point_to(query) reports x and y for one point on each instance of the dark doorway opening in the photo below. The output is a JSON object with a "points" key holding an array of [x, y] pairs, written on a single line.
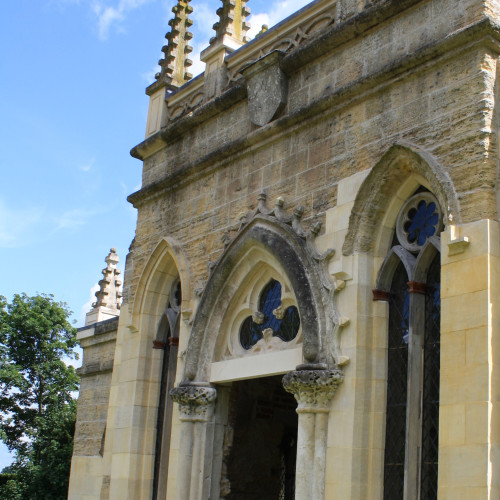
{"points": [[260, 442]]}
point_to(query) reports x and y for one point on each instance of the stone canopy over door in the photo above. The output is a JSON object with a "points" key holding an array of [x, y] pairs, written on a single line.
{"points": [[291, 307]]}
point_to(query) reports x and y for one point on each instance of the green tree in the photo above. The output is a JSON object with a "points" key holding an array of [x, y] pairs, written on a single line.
{"points": [[37, 408]]}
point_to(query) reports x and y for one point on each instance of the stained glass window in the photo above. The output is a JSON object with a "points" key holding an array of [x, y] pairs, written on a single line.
{"points": [[422, 222], [419, 219], [284, 323], [395, 436], [430, 403], [409, 405]]}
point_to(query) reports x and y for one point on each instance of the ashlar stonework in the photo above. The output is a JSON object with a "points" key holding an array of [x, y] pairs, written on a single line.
{"points": [[336, 179]]}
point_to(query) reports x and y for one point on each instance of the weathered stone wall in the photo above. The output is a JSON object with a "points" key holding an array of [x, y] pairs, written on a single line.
{"points": [[98, 342], [344, 111], [94, 395], [95, 384], [422, 74]]}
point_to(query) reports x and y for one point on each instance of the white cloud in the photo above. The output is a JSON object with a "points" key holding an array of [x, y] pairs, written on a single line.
{"points": [[88, 305], [71, 219], [204, 16], [277, 12], [16, 224], [113, 15], [149, 77], [87, 166], [21, 225]]}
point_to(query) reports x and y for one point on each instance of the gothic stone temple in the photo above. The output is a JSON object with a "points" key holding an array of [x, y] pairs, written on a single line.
{"points": [[311, 298]]}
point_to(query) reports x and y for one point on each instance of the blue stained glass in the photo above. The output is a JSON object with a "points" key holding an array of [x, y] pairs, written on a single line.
{"points": [[423, 222], [270, 299], [250, 333], [289, 325], [285, 328]]}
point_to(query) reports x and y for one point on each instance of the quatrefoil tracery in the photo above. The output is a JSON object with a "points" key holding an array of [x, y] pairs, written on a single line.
{"points": [[271, 320]]}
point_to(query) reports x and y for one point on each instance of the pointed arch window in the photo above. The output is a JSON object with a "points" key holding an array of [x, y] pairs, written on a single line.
{"points": [[167, 338], [410, 281]]}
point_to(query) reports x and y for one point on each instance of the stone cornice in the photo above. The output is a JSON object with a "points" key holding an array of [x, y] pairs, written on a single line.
{"points": [[335, 36], [95, 368], [175, 131], [485, 28]]}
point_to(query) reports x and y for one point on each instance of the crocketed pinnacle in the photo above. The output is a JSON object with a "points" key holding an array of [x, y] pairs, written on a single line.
{"points": [[109, 294], [232, 21], [175, 64]]}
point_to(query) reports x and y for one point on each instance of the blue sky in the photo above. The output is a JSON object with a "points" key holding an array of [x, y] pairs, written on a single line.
{"points": [[73, 74]]}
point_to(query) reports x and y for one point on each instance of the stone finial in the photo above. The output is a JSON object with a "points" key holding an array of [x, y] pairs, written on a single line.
{"points": [[174, 67], [264, 28], [109, 294], [232, 21], [230, 35]]}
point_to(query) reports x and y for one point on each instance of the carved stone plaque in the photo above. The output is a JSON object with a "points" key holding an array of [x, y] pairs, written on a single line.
{"points": [[267, 88]]}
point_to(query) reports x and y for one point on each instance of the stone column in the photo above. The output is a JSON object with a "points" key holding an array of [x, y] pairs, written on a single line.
{"points": [[196, 406], [313, 389]]}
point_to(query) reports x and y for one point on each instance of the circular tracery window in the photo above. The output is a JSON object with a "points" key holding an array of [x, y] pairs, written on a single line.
{"points": [[271, 316], [419, 219], [175, 297]]}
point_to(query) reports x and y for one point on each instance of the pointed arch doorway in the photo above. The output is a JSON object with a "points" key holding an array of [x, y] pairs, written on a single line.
{"points": [[260, 441]]}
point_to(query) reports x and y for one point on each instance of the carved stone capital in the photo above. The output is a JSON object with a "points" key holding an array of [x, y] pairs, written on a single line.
{"points": [[313, 389], [196, 403]]}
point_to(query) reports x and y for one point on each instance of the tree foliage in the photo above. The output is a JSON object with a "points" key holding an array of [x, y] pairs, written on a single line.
{"points": [[37, 409]]}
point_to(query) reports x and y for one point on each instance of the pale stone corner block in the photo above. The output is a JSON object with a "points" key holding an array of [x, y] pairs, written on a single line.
{"points": [[482, 236], [341, 268], [156, 111], [476, 423], [453, 348], [452, 425], [337, 218], [476, 346], [347, 189], [458, 245], [463, 466], [465, 276], [463, 312], [451, 492], [471, 385]]}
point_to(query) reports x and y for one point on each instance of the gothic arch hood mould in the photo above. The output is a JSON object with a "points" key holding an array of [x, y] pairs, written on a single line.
{"points": [[306, 269]]}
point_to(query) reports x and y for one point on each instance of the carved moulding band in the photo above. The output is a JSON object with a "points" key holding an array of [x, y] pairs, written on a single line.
{"points": [[313, 389], [195, 403], [282, 235]]}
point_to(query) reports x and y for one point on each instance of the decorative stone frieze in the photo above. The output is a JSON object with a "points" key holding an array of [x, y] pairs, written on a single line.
{"points": [[284, 235], [196, 403], [313, 389]]}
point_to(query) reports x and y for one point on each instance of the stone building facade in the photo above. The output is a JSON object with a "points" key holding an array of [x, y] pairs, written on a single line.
{"points": [[311, 297]]}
